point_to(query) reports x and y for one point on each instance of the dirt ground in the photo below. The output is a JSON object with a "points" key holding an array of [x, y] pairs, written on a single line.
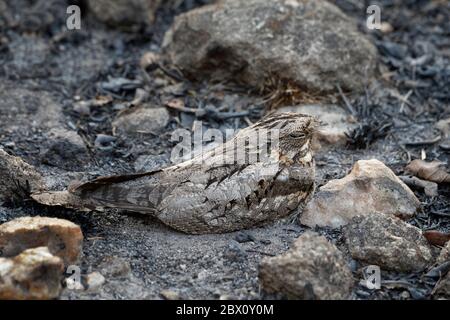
{"points": [[45, 70]]}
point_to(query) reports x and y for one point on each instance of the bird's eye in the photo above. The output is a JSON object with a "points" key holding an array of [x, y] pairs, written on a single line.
{"points": [[297, 135]]}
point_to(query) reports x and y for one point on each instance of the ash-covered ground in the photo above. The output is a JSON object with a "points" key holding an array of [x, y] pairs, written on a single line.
{"points": [[45, 71]]}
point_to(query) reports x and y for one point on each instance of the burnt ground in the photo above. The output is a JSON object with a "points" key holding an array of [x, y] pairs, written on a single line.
{"points": [[45, 70]]}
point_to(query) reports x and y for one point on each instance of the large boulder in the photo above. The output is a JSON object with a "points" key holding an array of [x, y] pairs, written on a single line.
{"points": [[309, 44], [387, 242], [312, 269], [371, 187]]}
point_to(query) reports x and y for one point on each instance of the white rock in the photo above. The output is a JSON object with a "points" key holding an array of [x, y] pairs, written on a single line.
{"points": [[387, 242]]}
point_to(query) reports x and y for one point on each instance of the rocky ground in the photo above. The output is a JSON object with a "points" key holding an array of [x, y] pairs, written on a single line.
{"points": [[105, 100]]}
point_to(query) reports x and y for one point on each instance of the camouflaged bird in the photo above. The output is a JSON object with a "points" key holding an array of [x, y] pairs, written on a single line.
{"points": [[215, 193]]}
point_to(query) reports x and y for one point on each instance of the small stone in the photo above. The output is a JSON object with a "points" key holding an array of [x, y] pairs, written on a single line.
{"points": [[115, 267], [387, 242], [17, 177], [63, 238], [386, 27], [35, 274], [83, 108], [309, 44], [65, 149], [405, 295], [337, 122], [312, 269], [104, 142], [141, 121], [370, 187], [444, 126], [95, 280], [243, 237], [234, 252], [149, 59], [118, 13], [170, 295]]}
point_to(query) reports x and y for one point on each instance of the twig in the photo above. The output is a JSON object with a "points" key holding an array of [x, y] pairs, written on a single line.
{"points": [[346, 101], [424, 142]]}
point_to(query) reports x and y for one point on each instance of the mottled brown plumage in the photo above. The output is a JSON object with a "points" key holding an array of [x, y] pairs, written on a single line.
{"points": [[215, 193]]}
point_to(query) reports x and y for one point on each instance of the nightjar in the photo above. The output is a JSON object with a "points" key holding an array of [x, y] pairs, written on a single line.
{"points": [[265, 172]]}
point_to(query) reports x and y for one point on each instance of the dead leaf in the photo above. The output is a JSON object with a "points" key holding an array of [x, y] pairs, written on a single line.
{"points": [[437, 238], [432, 171]]}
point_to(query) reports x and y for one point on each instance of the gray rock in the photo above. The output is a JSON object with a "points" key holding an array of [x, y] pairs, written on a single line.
{"points": [[370, 187], [34, 274], [312, 269], [65, 149], [387, 242], [124, 12], [141, 121], [298, 43]]}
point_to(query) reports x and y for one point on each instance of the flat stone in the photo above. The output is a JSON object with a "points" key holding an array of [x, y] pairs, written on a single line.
{"points": [[17, 177], [337, 122], [370, 187], [387, 242], [309, 44], [34, 274], [124, 12], [141, 121], [312, 269], [63, 238]]}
